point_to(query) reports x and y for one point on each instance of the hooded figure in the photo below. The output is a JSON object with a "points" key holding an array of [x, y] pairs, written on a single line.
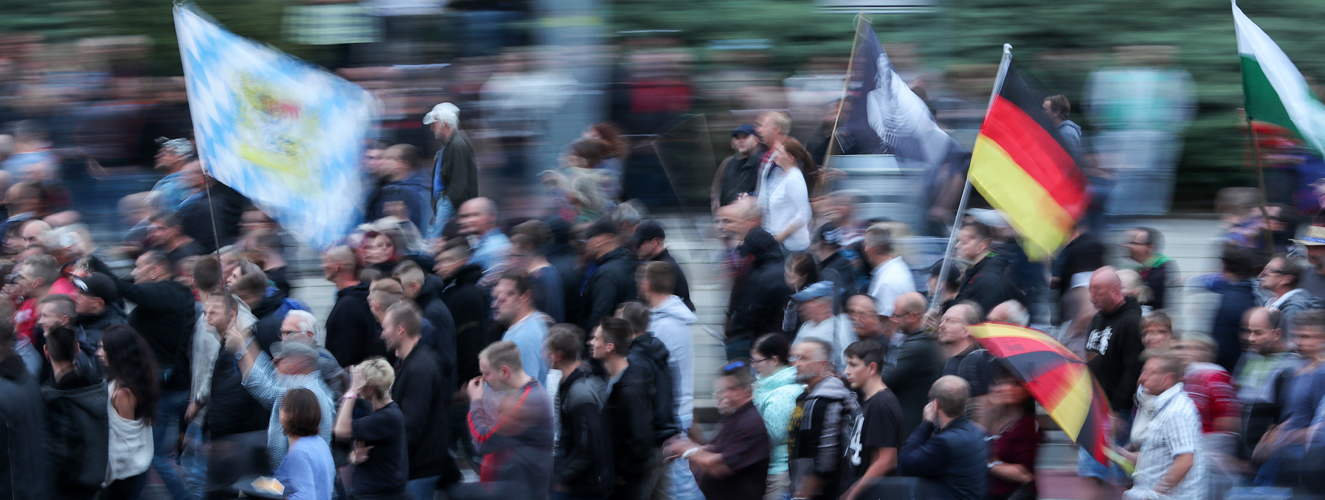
{"points": [[77, 433], [670, 323], [819, 433], [755, 307]]}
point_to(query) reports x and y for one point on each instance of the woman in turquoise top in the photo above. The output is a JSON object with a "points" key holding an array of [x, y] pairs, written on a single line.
{"points": [[775, 396]]}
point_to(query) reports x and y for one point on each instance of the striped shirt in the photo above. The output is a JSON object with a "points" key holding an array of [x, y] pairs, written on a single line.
{"points": [[1174, 430], [269, 388]]}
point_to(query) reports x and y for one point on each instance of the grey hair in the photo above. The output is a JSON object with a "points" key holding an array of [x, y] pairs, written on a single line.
{"points": [[1017, 313], [626, 213], [307, 322]]}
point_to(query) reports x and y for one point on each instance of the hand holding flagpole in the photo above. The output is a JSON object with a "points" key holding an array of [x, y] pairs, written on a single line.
{"points": [[966, 190]]}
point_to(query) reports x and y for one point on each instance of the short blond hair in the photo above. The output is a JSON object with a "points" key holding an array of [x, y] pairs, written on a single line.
{"points": [[778, 119], [379, 375], [504, 353]]}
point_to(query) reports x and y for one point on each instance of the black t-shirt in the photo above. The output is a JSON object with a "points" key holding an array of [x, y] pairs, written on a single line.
{"points": [[879, 426], [387, 467], [743, 443]]}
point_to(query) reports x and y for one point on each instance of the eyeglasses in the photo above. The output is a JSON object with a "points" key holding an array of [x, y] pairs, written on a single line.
{"points": [[793, 358], [755, 361], [291, 332]]}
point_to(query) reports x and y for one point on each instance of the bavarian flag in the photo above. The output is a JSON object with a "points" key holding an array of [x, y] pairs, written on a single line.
{"points": [[1021, 167]]}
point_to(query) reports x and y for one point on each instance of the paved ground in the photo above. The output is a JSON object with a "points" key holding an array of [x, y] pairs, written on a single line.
{"points": [[1190, 241]]}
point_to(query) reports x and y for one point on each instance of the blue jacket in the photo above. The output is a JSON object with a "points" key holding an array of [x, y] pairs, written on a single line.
{"points": [[1235, 299], [413, 191], [956, 457]]}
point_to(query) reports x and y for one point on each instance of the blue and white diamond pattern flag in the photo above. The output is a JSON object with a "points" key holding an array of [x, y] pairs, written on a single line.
{"points": [[286, 134]]}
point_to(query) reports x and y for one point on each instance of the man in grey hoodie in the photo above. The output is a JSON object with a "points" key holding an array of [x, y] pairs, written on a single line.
{"points": [[822, 413], [669, 321]]}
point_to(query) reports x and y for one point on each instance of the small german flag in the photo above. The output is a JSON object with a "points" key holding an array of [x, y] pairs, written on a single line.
{"points": [[1021, 167]]}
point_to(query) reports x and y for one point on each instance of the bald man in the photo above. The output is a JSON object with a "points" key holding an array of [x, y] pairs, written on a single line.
{"points": [[1113, 348], [919, 360], [478, 221], [737, 219], [1113, 352], [352, 331]]}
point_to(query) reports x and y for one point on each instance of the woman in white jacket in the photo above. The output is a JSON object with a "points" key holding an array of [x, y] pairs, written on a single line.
{"points": [[784, 197]]}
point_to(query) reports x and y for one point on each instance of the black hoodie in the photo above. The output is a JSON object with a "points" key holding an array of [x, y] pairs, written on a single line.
{"points": [[353, 334], [988, 283], [1114, 352], [612, 283], [469, 305], [165, 316], [630, 413], [94, 324], [647, 351], [77, 430], [757, 299]]}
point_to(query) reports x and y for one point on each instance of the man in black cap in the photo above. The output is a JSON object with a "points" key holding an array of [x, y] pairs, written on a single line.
{"points": [[97, 305], [737, 174], [613, 279], [650, 244]]}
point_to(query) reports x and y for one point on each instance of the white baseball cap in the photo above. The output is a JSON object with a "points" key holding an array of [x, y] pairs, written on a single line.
{"points": [[439, 111]]}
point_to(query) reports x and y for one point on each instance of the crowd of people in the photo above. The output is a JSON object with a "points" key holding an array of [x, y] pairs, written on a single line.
{"points": [[554, 357]]}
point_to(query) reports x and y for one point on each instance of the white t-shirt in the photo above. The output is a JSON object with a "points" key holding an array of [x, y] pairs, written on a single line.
{"points": [[888, 281]]}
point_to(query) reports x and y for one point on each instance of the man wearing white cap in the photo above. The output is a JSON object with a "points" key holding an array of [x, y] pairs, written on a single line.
{"points": [[455, 176]]}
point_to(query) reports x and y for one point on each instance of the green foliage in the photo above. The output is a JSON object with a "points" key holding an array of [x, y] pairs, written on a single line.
{"points": [[795, 28]]}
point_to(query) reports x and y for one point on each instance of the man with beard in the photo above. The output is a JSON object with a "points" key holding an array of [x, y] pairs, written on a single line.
{"points": [[737, 174]]}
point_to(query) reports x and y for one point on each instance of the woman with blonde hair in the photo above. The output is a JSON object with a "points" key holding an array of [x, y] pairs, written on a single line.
{"points": [[373, 422]]}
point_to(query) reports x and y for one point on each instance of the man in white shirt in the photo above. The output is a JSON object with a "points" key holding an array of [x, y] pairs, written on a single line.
{"points": [[816, 306], [891, 277], [1167, 466]]}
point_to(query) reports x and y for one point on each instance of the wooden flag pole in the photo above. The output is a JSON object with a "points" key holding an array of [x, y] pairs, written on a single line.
{"points": [[966, 191], [846, 83], [1266, 234]]}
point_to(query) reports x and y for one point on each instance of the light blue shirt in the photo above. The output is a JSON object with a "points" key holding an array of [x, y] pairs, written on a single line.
{"points": [[528, 334], [308, 472], [491, 250]]}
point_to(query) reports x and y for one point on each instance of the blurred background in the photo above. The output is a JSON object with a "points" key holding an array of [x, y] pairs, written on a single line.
{"points": [[1155, 84]]}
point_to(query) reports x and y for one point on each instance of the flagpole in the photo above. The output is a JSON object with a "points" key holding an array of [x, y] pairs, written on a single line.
{"points": [[846, 83], [1260, 187], [966, 191]]}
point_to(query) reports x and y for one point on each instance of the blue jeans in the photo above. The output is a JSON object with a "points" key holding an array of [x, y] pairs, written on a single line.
{"points": [[684, 486], [441, 213], [424, 488], [165, 432], [737, 348], [194, 459]]}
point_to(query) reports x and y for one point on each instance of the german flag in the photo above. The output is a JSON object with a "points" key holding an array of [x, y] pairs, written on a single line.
{"points": [[1021, 167]]}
